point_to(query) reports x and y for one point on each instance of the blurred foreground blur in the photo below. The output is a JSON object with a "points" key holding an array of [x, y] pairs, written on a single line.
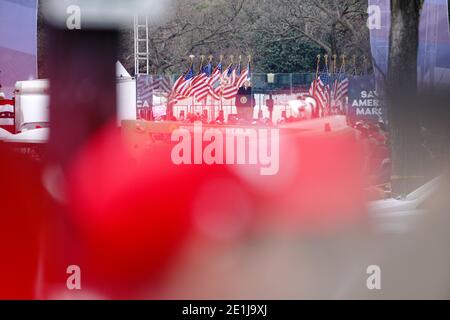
{"points": [[102, 211], [140, 227]]}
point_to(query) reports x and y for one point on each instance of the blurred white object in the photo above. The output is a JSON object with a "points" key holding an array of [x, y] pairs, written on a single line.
{"points": [[32, 101], [4, 134], [121, 72], [302, 108], [400, 215], [126, 95], [126, 100], [103, 14], [34, 136], [32, 105]]}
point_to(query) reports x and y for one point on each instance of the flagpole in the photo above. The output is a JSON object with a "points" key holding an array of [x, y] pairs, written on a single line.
{"points": [[237, 80], [335, 83], [365, 65], [171, 96], [334, 63], [317, 74], [192, 65], [220, 89], [326, 67], [252, 101], [202, 57], [315, 83], [205, 101], [220, 102], [229, 66], [343, 62], [343, 103]]}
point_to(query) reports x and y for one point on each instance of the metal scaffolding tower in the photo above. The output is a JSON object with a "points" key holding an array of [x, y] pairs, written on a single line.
{"points": [[141, 46]]}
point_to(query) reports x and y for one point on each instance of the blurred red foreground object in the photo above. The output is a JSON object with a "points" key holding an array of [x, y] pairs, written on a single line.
{"points": [[132, 215], [320, 185], [21, 218]]}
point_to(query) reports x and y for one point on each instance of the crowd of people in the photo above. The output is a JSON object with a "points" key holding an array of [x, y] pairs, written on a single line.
{"points": [[374, 136], [376, 142]]}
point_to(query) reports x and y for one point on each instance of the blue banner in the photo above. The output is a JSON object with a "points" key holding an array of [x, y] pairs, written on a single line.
{"points": [[434, 41], [364, 103], [18, 42]]}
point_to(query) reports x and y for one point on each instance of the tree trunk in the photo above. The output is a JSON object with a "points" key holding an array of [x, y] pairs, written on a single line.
{"points": [[402, 95]]}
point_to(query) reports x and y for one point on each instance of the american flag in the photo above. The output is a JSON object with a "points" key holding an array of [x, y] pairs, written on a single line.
{"points": [[184, 89], [173, 97], [207, 83], [341, 91], [224, 78], [229, 89], [317, 92], [325, 77], [215, 82], [199, 83], [320, 90], [245, 76], [237, 80], [203, 89], [177, 85]]}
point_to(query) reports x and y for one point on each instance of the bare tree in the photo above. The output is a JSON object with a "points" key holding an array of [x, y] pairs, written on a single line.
{"points": [[402, 94], [196, 27], [335, 26], [249, 26]]}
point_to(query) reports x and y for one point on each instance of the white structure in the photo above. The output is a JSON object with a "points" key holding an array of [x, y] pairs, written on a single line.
{"points": [[32, 104], [302, 108], [400, 216], [126, 94]]}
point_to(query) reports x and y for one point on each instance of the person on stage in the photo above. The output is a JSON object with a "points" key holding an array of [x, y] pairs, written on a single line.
{"points": [[245, 102]]}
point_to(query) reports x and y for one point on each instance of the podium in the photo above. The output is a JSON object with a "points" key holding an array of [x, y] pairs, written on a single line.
{"points": [[245, 103]]}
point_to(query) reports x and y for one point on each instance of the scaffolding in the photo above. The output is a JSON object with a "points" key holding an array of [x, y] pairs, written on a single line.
{"points": [[141, 45]]}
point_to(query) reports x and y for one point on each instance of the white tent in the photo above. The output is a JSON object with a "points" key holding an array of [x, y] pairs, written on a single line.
{"points": [[32, 107], [121, 72], [126, 94]]}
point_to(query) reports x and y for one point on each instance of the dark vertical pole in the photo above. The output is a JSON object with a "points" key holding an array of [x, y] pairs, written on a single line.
{"points": [[404, 111], [82, 101], [83, 88]]}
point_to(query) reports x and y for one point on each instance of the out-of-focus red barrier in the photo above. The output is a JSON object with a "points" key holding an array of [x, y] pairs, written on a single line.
{"points": [[320, 185], [22, 212], [133, 215]]}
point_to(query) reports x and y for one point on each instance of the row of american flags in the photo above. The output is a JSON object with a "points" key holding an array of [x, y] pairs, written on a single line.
{"points": [[330, 89], [208, 82]]}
